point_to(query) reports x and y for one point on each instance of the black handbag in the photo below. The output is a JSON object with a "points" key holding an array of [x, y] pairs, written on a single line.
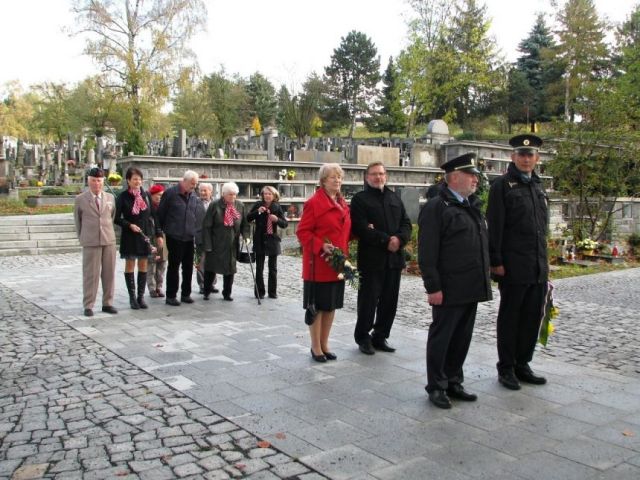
{"points": [[245, 257]]}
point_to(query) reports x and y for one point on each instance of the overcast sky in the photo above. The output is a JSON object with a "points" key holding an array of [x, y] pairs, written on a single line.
{"points": [[283, 39]]}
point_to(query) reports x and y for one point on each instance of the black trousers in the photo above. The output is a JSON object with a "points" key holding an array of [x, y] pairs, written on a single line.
{"points": [[273, 274], [227, 284], [377, 304], [448, 344], [180, 253], [519, 318]]}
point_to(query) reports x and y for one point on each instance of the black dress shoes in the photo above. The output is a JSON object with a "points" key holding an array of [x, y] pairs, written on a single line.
{"points": [[366, 347], [526, 375], [273, 296], [172, 301], [458, 392], [382, 345], [186, 299], [318, 358], [88, 312], [228, 298], [330, 356], [440, 399], [206, 296], [509, 380], [215, 290], [109, 309]]}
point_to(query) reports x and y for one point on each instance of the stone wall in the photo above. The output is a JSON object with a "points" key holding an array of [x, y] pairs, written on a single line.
{"points": [[389, 156]]}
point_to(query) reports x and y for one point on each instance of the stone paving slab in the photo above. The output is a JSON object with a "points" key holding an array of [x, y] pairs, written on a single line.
{"points": [[360, 417]]}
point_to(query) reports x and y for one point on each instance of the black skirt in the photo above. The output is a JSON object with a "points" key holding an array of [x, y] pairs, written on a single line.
{"points": [[327, 296]]}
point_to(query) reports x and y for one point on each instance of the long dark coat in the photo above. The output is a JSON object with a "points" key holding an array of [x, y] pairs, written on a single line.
{"points": [[133, 243], [263, 243], [220, 242], [518, 221], [453, 249]]}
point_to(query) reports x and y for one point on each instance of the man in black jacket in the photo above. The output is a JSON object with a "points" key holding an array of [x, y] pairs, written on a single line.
{"points": [[177, 215], [381, 224], [518, 218], [453, 253]]}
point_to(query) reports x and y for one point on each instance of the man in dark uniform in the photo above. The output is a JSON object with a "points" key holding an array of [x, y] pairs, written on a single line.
{"points": [[381, 224], [453, 253], [518, 219]]}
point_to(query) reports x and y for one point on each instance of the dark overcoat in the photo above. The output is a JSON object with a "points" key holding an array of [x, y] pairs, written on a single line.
{"points": [[518, 221], [377, 215], [453, 249], [221, 243], [262, 243]]}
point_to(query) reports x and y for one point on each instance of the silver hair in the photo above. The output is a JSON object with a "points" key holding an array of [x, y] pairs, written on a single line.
{"points": [[230, 187], [190, 175], [206, 186], [327, 169]]}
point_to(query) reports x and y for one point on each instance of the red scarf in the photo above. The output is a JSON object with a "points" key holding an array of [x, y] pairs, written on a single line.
{"points": [[230, 215], [139, 204], [269, 222]]}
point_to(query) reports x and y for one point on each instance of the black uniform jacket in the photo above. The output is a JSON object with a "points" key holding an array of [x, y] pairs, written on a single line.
{"points": [[453, 249], [518, 217], [385, 212], [263, 243]]}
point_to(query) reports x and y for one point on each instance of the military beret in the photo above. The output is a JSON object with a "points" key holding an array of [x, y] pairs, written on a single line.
{"points": [[96, 173], [526, 143], [465, 163]]}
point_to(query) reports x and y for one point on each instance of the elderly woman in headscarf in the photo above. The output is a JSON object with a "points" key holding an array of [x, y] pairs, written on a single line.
{"points": [[133, 212], [224, 223]]}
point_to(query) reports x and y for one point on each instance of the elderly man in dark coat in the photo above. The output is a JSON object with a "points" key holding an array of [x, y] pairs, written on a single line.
{"points": [[453, 255], [224, 222]]}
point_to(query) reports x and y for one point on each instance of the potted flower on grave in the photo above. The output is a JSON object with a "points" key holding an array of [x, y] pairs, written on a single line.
{"points": [[282, 173], [586, 246], [291, 174]]}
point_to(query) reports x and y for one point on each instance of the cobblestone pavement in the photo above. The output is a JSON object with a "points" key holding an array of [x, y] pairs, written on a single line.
{"points": [[70, 408]]}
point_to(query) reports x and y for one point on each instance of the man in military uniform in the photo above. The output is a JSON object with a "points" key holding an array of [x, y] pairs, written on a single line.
{"points": [[518, 219], [453, 253]]}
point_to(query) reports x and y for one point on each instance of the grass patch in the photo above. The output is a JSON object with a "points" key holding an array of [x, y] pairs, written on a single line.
{"points": [[16, 207], [566, 271]]}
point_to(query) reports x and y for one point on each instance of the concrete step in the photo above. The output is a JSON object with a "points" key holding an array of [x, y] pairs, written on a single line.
{"points": [[52, 236], [8, 252], [19, 244], [52, 219], [43, 243], [58, 243], [70, 227]]}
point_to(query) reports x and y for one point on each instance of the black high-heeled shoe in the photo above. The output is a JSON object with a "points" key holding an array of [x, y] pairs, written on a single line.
{"points": [[318, 358], [330, 356]]}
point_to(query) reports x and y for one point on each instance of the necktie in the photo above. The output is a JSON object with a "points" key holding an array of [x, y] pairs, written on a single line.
{"points": [[98, 202]]}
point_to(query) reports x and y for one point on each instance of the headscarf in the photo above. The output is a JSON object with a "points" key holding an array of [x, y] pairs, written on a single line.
{"points": [[139, 204]]}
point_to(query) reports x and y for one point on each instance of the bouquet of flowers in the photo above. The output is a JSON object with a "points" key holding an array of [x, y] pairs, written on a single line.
{"points": [[283, 172], [346, 270], [291, 174], [550, 311], [587, 244]]}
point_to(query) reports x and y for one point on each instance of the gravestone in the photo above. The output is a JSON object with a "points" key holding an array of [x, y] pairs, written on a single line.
{"points": [[411, 198]]}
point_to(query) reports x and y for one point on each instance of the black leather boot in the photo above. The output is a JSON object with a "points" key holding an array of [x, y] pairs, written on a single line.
{"points": [[142, 284], [131, 288]]}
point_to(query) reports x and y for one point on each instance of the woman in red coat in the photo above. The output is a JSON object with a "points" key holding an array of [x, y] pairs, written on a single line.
{"points": [[325, 225]]}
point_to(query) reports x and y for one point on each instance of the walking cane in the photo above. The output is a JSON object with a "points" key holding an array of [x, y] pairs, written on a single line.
{"points": [[255, 286]]}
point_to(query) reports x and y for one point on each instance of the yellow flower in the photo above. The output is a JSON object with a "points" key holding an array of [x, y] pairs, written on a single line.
{"points": [[551, 328]]}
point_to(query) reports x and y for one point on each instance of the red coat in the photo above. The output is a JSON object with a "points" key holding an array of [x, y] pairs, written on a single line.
{"points": [[322, 219]]}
